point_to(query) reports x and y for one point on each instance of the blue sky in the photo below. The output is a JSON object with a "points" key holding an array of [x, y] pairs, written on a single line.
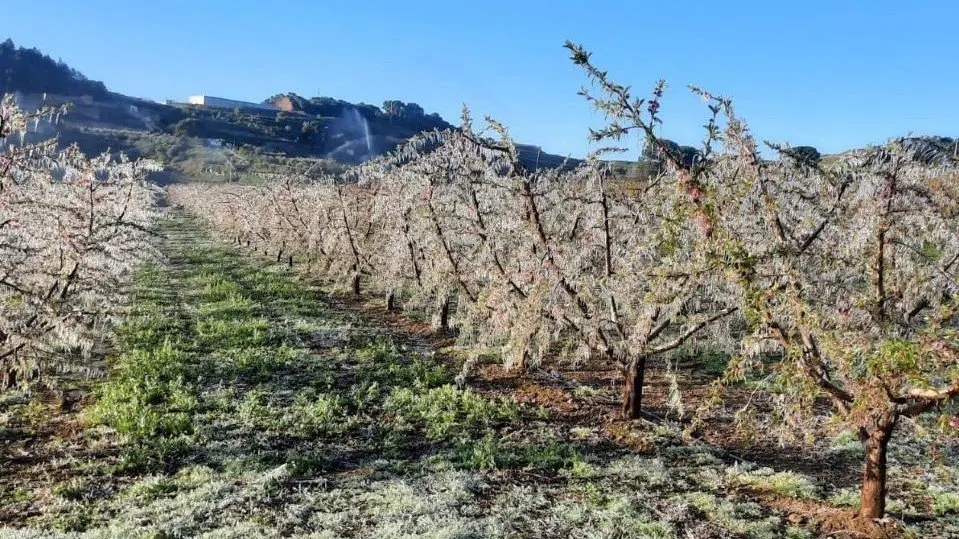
{"points": [[832, 74]]}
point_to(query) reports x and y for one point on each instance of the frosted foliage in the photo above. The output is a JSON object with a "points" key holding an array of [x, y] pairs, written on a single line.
{"points": [[850, 273], [844, 271], [847, 272], [71, 231], [527, 262]]}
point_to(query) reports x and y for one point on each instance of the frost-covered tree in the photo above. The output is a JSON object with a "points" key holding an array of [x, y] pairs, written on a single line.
{"points": [[849, 278], [846, 276], [71, 231], [660, 255]]}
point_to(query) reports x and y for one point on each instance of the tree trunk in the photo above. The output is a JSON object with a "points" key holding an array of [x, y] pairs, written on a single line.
{"points": [[633, 388], [445, 315], [356, 284], [872, 498], [289, 261], [524, 362], [279, 256], [9, 379]]}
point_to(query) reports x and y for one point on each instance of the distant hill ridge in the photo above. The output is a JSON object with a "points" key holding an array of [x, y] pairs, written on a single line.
{"points": [[313, 128], [316, 127], [31, 71]]}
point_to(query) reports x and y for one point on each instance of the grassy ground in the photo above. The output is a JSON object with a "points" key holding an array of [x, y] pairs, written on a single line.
{"points": [[243, 403]]}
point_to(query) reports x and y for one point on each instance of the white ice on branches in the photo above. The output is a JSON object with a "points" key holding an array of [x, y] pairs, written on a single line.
{"points": [[71, 231], [831, 267]]}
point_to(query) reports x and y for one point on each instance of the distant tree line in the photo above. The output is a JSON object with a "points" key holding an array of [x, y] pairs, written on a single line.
{"points": [[31, 71]]}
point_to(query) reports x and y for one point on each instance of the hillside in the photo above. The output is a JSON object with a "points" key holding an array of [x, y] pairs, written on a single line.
{"points": [[31, 71], [207, 142]]}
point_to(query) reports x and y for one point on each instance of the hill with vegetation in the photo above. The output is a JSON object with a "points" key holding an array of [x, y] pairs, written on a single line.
{"points": [[203, 142], [31, 71]]}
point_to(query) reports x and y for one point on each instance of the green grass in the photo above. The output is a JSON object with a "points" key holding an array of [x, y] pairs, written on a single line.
{"points": [[491, 453], [745, 519], [789, 484], [448, 411], [309, 415], [944, 503], [150, 395]]}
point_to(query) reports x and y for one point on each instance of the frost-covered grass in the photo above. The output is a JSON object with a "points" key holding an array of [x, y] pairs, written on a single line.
{"points": [[790, 484], [243, 405]]}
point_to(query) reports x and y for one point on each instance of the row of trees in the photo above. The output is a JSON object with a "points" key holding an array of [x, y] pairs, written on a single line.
{"points": [[837, 284], [71, 230]]}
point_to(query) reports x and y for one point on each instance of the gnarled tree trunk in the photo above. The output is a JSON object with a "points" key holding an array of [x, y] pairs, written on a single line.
{"points": [[876, 443], [633, 388]]}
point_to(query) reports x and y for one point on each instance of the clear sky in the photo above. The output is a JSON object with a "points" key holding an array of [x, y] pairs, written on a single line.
{"points": [[832, 74]]}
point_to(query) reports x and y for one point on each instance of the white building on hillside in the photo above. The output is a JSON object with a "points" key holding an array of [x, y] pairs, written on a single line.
{"points": [[222, 103]]}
